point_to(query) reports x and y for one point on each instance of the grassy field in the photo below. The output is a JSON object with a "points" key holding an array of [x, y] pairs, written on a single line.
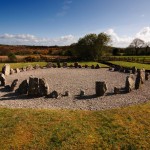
{"points": [[125, 128], [135, 57], [130, 64], [20, 65]]}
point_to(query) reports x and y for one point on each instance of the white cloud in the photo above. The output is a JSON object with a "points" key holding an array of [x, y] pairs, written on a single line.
{"points": [[65, 7], [27, 39], [124, 41]]}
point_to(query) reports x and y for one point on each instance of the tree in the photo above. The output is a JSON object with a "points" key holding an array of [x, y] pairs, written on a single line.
{"points": [[136, 44], [12, 57], [115, 52], [91, 46]]}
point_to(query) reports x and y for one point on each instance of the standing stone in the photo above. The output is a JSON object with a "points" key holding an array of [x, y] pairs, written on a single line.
{"points": [[86, 66], [130, 83], [100, 88], [54, 66], [24, 69], [37, 66], [92, 67], [146, 75], [76, 64], [65, 65], [97, 66], [140, 78], [12, 71], [6, 69], [58, 63], [33, 87], [79, 66], [13, 85], [2, 79], [23, 87], [17, 70], [29, 67], [49, 65], [43, 87], [134, 70]]}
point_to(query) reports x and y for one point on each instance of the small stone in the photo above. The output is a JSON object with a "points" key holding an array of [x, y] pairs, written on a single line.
{"points": [[49, 65], [67, 93], [82, 93], [54, 94], [17, 70], [65, 65], [92, 67], [76, 65]]}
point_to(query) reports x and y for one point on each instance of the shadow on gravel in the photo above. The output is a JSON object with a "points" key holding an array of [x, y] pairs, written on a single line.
{"points": [[85, 97], [14, 96]]}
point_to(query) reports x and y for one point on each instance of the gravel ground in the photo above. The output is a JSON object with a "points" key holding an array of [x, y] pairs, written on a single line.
{"points": [[63, 79]]}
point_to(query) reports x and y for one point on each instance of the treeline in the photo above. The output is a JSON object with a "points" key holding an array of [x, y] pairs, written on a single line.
{"points": [[31, 50]]}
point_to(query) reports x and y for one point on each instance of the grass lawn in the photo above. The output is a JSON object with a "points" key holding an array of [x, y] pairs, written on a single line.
{"points": [[135, 57], [20, 65], [130, 64], [124, 128]]}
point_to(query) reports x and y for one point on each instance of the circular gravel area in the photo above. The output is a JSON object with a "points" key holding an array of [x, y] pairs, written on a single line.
{"points": [[73, 80]]}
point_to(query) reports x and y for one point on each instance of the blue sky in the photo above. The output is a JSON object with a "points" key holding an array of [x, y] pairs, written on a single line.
{"points": [[62, 22]]}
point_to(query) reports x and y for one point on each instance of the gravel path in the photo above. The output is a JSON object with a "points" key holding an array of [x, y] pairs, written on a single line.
{"points": [[73, 80]]}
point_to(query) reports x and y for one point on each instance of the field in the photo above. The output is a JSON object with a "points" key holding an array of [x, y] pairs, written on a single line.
{"points": [[131, 64], [124, 128]]}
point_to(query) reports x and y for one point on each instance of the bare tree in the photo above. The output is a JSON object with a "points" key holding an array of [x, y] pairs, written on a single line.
{"points": [[136, 44]]}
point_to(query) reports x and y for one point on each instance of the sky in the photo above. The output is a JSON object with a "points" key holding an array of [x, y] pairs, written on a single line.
{"points": [[63, 22]]}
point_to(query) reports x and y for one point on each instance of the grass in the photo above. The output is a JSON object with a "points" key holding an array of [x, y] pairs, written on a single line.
{"points": [[20, 65], [135, 57], [125, 128], [131, 64]]}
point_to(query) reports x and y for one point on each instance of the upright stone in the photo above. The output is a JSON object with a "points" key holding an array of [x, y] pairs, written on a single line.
{"points": [[2, 79], [92, 67], [140, 78], [100, 88], [97, 66], [146, 75], [65, 65], [37, 66], [76, 64], [130, 83], [29, 67], [17, 70], [43, 87], [6, 69], [49, 65], [134, 70], [14, 85], [33, 87], [23, 87], [12, 71]]}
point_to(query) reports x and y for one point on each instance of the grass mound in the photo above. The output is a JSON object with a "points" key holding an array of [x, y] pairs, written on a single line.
{"points": [[125, 128]]}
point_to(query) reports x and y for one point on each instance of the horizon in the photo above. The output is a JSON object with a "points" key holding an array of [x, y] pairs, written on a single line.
{"points": [[63, 22]]}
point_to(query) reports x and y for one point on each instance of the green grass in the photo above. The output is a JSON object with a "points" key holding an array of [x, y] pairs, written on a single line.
{"points": [[135, 57], [130, 64], [124, 128], [20, 65]]}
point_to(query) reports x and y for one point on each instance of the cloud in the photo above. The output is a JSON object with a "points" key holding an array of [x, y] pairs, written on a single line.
{"points": [[27, 39], [65, 8], [124, 41]]}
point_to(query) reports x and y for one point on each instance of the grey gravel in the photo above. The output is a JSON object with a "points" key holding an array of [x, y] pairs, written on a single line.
{"points": [[72, 80]]}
